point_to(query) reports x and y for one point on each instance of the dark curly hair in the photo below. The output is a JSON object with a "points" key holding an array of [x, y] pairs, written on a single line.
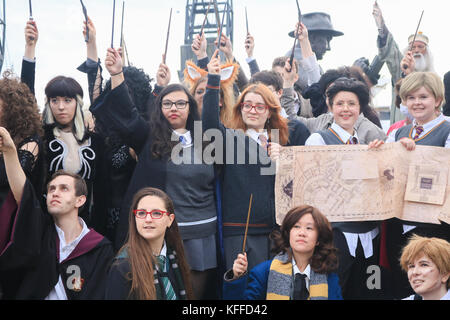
{"points": [[351, 85], [19, 110], [324, 259], [139, 87]]}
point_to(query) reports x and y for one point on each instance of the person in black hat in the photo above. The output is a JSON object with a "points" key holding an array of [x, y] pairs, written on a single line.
{"points": [[320, 32]]}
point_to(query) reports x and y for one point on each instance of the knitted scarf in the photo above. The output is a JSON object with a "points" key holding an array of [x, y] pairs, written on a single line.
{"points": [[280, 285], [160, 294], [181, 295]]}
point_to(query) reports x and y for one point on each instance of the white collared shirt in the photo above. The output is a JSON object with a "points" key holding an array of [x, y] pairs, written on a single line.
{"points": [[445, 297], [58, 292], [252, 133], [307, 272], [187, 138], [163, 252], [316, 139], [427, 127]]}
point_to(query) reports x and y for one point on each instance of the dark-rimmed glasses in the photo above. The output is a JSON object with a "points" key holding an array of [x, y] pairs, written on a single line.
{"points": [[180, 104], [259, 108], [155, 214]]}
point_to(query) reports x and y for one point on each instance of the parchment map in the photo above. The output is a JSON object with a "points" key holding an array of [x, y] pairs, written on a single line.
{"points": [[352, 183]]}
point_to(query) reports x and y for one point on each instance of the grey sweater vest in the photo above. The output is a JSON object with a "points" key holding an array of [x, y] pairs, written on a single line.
{"points": [[436, 137]]}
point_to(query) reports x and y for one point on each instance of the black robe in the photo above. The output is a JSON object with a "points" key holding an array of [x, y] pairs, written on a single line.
{"points": [[33, 253]]}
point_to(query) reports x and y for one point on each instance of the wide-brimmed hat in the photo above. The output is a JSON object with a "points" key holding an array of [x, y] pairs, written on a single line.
{"points": [[318, 21]]}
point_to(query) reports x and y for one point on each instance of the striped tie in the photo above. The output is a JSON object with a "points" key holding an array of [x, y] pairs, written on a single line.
{"points": [[352, 140], [163, 267], [419, 130]]}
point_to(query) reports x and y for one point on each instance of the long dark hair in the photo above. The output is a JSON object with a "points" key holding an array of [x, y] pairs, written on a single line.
{"points": [[140, 253], [161, 130], [324, 259]]}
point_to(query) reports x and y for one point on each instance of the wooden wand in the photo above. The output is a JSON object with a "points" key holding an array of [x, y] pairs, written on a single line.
{"points": [[248, 220]]}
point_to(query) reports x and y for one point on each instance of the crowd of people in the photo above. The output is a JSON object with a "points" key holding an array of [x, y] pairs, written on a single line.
{"points": [[96, 204]]}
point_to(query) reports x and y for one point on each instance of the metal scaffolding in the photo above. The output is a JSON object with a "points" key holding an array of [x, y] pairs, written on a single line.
{"points": [[195, 15]]}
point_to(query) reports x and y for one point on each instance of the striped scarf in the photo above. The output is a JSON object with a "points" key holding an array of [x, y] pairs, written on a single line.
{"points": [[280, 285], [171, 254], [159, 283]]}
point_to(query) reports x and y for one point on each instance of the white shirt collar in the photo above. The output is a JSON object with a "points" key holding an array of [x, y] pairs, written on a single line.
{"points": [[66, 249], [344, 135], [187, 138], [163, 250], [446, 296], [252, 133], [307, 271], [431, 124]]}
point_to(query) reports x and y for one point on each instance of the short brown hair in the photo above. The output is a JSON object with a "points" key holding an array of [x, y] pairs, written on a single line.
{"points": [[438, 250], [79, 183]]}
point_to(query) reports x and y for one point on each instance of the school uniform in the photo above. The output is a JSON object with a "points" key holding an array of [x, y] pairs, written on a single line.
{"points": [[50, 268], [246, 169], [434, 133], [357, 242], [168, 280], [281, 279]]}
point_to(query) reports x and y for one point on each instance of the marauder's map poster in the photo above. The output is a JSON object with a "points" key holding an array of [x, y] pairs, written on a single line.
{"points": [[353, 183]]}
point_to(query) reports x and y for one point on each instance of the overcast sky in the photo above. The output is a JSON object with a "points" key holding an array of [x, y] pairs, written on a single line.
{"points": [[61, 46]]}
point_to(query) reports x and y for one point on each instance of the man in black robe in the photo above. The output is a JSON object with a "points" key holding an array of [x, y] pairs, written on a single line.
{"points": [[50, 255]]}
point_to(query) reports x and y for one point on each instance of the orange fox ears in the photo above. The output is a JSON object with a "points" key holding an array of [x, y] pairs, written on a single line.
{"points": [[228, 73]]}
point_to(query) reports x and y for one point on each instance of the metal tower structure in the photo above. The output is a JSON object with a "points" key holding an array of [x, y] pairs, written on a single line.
{"points": [[195, 16], [2, 33]]}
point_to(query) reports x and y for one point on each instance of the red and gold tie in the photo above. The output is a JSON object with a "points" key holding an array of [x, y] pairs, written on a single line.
{"points": [[419, 130], [352, 140]]}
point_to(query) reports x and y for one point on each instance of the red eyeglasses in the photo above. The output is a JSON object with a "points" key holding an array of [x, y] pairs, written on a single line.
{"points": [[259, 108], [155, 214]]}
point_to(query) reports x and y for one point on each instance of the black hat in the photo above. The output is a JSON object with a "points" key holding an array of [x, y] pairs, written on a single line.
{"points": [[318, 21]]}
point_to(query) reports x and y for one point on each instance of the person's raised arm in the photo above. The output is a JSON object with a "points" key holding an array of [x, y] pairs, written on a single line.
{"points": [[249, 48], [28, 63], [211, 109], [95, 77], [379, 21], [287, 100], [309, 62], [31, 38], [163, 75], [14, 172], [114, 65], [199, 45]]}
